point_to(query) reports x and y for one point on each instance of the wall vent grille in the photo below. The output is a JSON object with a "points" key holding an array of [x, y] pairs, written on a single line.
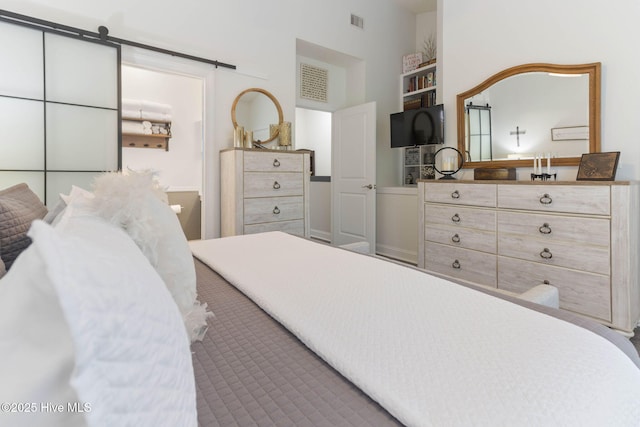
{"points": [[357, 21], [313, 83]]}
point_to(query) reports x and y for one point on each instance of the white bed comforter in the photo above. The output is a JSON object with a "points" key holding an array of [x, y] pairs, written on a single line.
{"points": [[431, 352]]}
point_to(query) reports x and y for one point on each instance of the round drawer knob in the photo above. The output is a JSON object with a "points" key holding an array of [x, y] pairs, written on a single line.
{"points": [[546, 199], [546, 254], [455, 238], [276, 210], [455, 218], [276, 185], [276, 163], [545, 229], [456, 264], [455, 194]]}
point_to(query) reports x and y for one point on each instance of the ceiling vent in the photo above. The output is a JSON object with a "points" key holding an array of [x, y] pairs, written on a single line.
{"points": [[357, 21]]}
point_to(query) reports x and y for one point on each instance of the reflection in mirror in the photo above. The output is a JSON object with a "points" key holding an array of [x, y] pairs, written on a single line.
{"points": [[530, 110], [256, 109]]}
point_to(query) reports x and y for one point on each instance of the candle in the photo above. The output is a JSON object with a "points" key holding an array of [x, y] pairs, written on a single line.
{"points": [[549, 163]]}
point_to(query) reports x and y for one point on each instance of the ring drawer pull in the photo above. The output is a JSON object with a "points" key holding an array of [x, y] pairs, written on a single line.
{"points": [[546, 254], [455, 218], [545, 229], [456, 264], [276, 210], [455, 238], [455, 194], [276, 185], [276, 163], [546, 199]]}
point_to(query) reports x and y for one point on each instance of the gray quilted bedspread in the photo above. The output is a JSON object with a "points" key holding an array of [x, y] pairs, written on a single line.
{"points": [[250, 371]]}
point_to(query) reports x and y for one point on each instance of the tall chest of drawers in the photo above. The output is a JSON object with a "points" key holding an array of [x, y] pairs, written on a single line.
{"points": [[264, 190], [581, 237]]}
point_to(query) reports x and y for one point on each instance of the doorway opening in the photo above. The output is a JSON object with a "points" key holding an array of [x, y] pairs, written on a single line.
{"points": [[313, 132], [180, 167]]}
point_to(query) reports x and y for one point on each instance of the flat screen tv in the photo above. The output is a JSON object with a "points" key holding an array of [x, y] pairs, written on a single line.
{"points": [[421, 126]]}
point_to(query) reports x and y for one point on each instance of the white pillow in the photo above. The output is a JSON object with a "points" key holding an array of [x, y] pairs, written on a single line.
{"points": [[136, 203], [36, 347], [132, 356], [80, 195]]}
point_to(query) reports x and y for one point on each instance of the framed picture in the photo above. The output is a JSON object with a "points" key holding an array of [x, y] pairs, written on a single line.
{"points": [[412, 156], [598, 166], [411, 62], [570, 133]]}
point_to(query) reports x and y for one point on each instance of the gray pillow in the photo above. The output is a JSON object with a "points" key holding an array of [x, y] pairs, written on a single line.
{"points": [[19, 207]]}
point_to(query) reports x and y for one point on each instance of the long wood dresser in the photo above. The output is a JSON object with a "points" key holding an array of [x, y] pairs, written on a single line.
{"points": [[581, 237], [264, 190]]}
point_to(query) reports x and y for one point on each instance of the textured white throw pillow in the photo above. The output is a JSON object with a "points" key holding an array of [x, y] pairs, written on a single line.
{"points": [[132, 356], [35, 347], [136, 203]]}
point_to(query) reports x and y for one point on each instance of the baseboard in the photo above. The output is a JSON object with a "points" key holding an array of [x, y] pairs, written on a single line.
{"points": [[400, 254], [320, 235]]}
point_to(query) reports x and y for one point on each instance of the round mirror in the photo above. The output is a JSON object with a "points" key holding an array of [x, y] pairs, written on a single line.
{"points": [[256, 110]]}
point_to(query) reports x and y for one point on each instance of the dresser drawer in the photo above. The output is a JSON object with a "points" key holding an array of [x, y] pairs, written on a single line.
{"points": [[594, 259], [580, 292], [457, 216], [270, 209], [556, 228], [580, 199], [461, 237], [272, 162], [273, 184], [465, 264], [292, 227], [461, 194]]}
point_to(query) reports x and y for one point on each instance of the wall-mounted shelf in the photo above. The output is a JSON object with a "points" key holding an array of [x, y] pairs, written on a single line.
{"points": [[154, 140]]}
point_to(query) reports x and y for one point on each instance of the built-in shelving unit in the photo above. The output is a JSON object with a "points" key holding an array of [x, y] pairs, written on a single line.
{"points": [[419, 163], [419, 87]]}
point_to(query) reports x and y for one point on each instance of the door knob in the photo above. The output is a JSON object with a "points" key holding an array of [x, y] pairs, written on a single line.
{"points": [[369, 186]]}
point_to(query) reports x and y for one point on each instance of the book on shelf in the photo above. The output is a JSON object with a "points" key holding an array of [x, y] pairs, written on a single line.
{"points": [[412, 104]]}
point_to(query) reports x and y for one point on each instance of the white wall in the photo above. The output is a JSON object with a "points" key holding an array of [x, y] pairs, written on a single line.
{"points": [[320, 210], [313, 132], [397, 226], [260, 38], [477, 44], [181, 167]]}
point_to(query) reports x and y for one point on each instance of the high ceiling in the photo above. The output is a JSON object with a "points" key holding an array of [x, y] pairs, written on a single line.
{"points": [[419, 6]]}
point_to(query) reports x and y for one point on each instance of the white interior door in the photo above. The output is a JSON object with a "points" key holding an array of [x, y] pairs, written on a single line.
{"points": [[353, 173]]}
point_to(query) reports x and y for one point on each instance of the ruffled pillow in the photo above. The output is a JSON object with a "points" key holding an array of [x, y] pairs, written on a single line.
{"points": [[136, 203]]}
